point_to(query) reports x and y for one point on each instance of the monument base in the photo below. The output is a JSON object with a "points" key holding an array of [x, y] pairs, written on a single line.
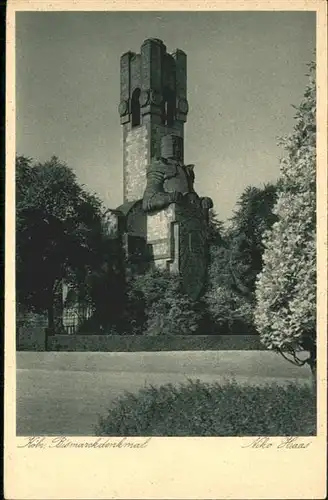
{"points": [[174, 239]]}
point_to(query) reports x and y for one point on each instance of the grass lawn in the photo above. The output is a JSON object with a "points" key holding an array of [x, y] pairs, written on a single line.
{"points": [[200, 409], [63, 393]]}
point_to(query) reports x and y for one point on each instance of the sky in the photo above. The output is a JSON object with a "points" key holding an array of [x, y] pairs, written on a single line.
{"points": [[245, 70]]}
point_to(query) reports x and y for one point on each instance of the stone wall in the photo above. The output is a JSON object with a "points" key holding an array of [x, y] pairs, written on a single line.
{"points": [[161, 236], [135, 163], [158, 224], [158, 131]]}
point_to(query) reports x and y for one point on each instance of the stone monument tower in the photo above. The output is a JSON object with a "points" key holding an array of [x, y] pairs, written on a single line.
{"points": [[163, 221], [153, 103]]}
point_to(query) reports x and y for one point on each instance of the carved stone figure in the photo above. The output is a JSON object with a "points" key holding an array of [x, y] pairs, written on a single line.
{"points": [[169, 181]]}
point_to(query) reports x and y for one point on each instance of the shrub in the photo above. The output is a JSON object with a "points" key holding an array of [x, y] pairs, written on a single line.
{"points": [[230, 311], [141, 343], [163, 307], [199, 409]]}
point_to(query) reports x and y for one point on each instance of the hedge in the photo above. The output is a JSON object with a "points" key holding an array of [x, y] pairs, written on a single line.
{"points": [[117, 343], [200, 409]]}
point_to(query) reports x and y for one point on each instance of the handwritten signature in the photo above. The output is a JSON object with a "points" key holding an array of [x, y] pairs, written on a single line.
{"points": [[287, 443]]}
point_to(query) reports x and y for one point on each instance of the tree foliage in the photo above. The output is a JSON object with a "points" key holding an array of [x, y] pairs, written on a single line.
{"points": [[104, 289], [286, 289], [236, 259], [158, 305], [215, 229], [252, 217], [57, 231]]}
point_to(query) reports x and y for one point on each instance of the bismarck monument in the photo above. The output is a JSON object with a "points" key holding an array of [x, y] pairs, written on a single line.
{"points": [[162, 222]]}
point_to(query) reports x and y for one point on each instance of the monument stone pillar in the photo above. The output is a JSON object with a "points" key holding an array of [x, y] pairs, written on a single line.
{"points": [[165, 220]]}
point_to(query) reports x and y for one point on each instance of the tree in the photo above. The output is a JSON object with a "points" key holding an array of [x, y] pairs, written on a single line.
{"points": [[285, 314], [215, 229], [58, 226], [105, 289], [230, 309], [251, 219], [237, 259]]}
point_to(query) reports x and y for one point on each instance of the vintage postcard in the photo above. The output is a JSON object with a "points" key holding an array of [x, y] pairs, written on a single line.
{"points": [[166, 250]]}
